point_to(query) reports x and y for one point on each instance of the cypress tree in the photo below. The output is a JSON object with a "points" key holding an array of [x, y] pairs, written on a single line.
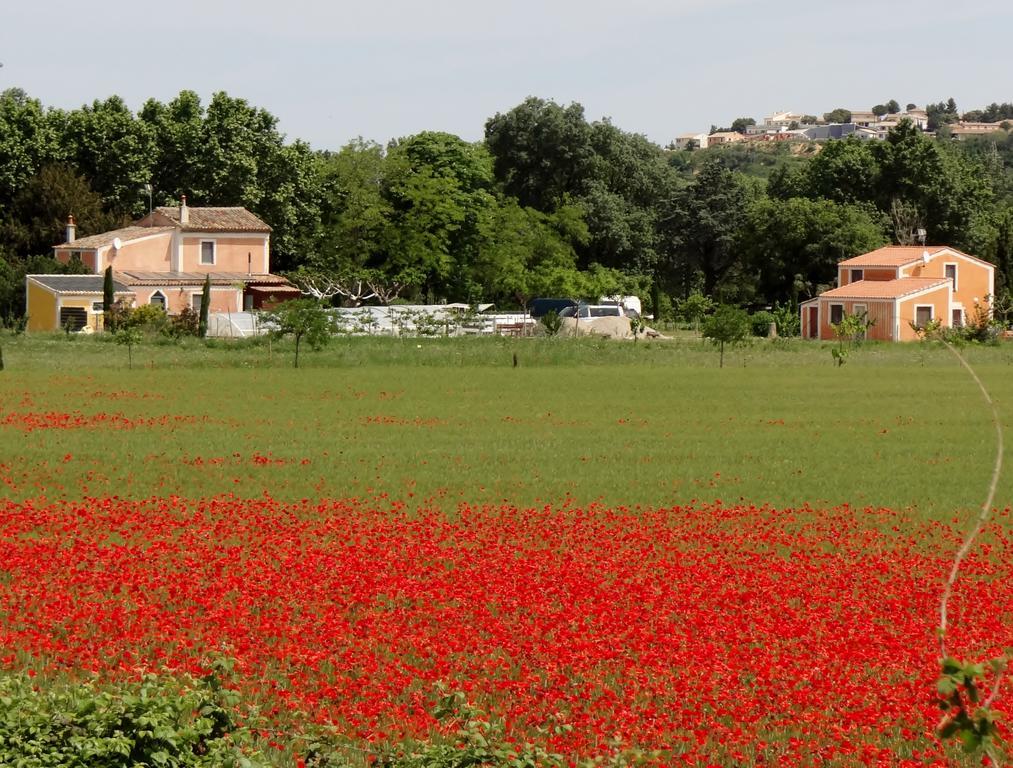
{"points": [[107, 300], [205, 303]]}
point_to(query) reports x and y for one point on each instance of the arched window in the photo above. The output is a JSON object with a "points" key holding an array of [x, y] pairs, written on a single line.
{"points": [[158, 300]]}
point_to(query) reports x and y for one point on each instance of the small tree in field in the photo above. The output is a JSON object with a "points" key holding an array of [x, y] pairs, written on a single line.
{"points": [[128, 336], [107, 300], [850, 331], [205, 306], [728, 325], [694, 308], [303, 319]]}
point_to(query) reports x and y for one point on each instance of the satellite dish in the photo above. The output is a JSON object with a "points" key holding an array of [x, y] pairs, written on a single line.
{"points": [[117, 243]]}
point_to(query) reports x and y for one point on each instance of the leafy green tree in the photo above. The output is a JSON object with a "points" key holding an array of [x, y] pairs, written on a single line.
{"points": [[112, 149], [179, 145], [40, 209], [946, 188], [879, 110], [991, 238], [548, 156], [892, 107], [530, 254], [941, 114], [623, 200], [839, 115], [128, 336], [849, 332], [710, 213], [440, 190], [740, 124], [28, 141], [694, 308], [541, 152], [303, 319], [728, 325], [843, 171], [233, 154], [355, 216], [784, 240]]}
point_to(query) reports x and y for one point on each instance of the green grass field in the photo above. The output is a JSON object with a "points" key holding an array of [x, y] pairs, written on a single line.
{"points": [[738, 623], [654, 423]]}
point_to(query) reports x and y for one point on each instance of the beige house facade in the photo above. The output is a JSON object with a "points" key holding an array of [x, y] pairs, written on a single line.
{"points": [[901, 289], [164, 260]]}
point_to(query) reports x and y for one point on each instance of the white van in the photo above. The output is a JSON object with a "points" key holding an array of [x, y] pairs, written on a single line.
{"points": [[629, 303], [593, 311]]}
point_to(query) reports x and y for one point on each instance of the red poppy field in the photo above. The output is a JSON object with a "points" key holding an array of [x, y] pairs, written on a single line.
{"points": [[712, 633], [706, 632]]}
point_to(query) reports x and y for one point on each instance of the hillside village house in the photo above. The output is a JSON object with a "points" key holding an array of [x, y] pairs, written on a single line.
{"points": [[782, 120], [964, 129], [163, 260], [694, 140], [900, 286]]}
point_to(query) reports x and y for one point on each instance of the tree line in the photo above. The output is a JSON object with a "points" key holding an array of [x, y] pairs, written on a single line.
{"points": [[548, 203]]}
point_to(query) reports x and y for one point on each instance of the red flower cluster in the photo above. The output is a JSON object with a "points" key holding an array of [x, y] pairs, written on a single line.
{"points": [[31, 421], [399, 421], [714, 633], [237, 459]]}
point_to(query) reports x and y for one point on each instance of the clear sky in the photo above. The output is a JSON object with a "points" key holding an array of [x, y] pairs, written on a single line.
{"points": [[334, 70]]}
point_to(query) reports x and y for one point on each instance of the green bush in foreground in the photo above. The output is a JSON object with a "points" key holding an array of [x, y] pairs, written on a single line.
{"points": [[157, 721], [182, 722]]}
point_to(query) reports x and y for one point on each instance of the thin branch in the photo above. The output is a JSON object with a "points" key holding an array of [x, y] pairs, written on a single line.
{"points": [[986, 508]]}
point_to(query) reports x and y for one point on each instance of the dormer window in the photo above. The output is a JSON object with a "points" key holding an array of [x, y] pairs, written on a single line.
{"points": [[857, 274], [207, 252]]}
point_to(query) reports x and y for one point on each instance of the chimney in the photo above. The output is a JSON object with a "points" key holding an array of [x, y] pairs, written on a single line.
{"points": [[71, 232], [184, 212]]}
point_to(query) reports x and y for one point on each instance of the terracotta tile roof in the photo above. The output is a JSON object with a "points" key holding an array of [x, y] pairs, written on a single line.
{"points": [[885, 289], [106, 238], [892, 256], [216, 219], [77, 283], [141, 277], [901, 255]]}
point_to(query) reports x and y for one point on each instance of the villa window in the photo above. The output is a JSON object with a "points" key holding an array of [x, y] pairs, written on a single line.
{"points": [[951, 274], [207, 252], [157, 299]]}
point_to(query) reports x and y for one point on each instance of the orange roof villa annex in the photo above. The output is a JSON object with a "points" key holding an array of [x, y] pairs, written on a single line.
{"points": [[901, 286], [163, 260]]}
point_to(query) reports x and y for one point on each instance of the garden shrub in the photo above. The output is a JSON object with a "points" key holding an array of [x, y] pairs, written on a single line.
{"points": [[157, 721], [761, 322], [551, 322], [186, 323]]}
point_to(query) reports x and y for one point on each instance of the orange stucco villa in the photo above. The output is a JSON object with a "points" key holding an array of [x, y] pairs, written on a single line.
{"points": [[163, 259], [900, 286]]}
